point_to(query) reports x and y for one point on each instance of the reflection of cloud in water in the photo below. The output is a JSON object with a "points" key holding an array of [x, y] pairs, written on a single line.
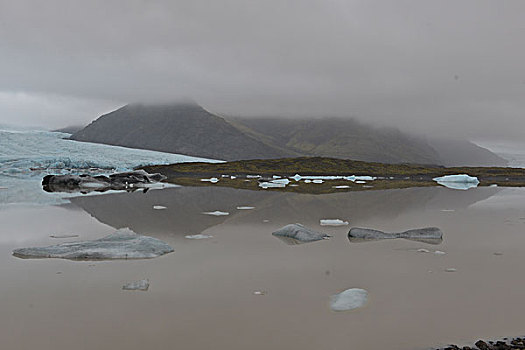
{"points": [[185, 206]]}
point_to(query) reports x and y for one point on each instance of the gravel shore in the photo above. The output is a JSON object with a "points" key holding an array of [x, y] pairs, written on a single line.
{"points": [[504, 344]]}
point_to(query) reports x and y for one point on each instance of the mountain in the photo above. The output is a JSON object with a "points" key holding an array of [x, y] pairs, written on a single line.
{"points": [[340, 138], [184, 128], [70, 129], [189, 129]]}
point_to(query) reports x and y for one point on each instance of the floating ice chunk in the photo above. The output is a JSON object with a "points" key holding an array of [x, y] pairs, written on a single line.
{"points": [[63, 236], [457, 182], [360, 182], [216, 213], [280, 181], [448, 210], [355, 178], [3, 188], [317, 181], [451, 269], [423, 250], [296, 177], [276, 177], [259, 292], [233, 177], [245, 208], [199, 236], [225, 175], [307, 181], [253, 176], [439, 252], [494, 185], [271, 184], [159, 207], [123, 244], [213, 180], [349, 299], [297, 234], [332, 222], [341, 186], [142, 285], [430, 235]]}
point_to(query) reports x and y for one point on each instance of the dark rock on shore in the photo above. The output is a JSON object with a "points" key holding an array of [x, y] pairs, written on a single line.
{"points": [[129, 181], [505, 344]]}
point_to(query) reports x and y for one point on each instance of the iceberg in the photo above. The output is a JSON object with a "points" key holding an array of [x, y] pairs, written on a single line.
{"points": [[430, 235], [159, 207], [332, 222], [216, 213], [213, 180], [457, 182], [141, 285], [349, 299], [198, 236], [245, 208], [297, 234], [123, 244]]}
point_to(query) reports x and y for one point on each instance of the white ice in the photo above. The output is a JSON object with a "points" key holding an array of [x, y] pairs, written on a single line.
{"points": [[159, 207], [245, 208], [457, 182], [213, 180], [199, 236], [349, 299], [332, 222], [216, 213], [142, 285]]}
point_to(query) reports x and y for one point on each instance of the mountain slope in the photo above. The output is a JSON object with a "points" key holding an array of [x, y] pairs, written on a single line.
{"points": [[341, 138], [187, 128], [176, 128]]}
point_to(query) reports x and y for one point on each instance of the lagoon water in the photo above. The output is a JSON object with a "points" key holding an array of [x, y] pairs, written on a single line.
{"points": [[245, 289], [242, 288]]}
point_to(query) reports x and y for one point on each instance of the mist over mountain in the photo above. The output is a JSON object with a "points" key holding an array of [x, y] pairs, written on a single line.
{"points": [[189, 129]]}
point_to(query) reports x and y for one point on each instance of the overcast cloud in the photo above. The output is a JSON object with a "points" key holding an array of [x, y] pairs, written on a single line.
{"points": [[426, 66]]}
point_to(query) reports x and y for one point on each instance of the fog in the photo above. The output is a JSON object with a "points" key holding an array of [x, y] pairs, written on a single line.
{"points": [[431, 67]]}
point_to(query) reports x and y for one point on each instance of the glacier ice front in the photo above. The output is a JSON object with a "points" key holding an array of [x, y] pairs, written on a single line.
{"points": [[457, 182], [27, 156]]}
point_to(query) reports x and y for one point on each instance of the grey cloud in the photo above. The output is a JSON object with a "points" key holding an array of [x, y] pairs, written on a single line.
{"points": [[427, 66]]}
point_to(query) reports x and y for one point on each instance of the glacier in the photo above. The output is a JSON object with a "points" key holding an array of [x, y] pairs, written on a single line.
{"points": [[26, 156]]}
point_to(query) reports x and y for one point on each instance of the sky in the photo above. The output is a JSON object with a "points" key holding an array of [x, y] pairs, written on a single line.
{"points": [[442, 67]]}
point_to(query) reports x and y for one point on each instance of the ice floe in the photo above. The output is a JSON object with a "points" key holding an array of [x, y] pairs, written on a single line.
{"points": [[213, 180], [141, 285], [431, 235], [245, 208], [341, 186], [123, 244], [332, 222], [297, 234], [159, 207], [457, 182], [198, 236], [349, 299], [216, 213]]}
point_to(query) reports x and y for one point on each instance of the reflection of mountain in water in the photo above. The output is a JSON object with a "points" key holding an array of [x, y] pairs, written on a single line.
{"points": [[185, 206]]}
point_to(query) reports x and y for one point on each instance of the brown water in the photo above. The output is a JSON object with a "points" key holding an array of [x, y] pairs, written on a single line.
{"points": [[201, 296]]}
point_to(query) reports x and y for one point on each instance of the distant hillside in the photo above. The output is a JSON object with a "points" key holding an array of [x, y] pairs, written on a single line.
{"points": [[189, 129], [178, 128], [340, 138]]}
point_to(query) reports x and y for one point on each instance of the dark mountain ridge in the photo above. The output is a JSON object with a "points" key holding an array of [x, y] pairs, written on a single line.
{"points": [[189, 129]]}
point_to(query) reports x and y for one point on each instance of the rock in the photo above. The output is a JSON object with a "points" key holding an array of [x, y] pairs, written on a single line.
{"points": [[129, 181], [123, 244], [349, 299], [430, 235], [481, 345], [298, 234], [142, 285]]}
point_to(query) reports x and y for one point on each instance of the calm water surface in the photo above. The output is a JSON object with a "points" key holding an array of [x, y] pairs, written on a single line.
{"points": [[201, 295]]}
